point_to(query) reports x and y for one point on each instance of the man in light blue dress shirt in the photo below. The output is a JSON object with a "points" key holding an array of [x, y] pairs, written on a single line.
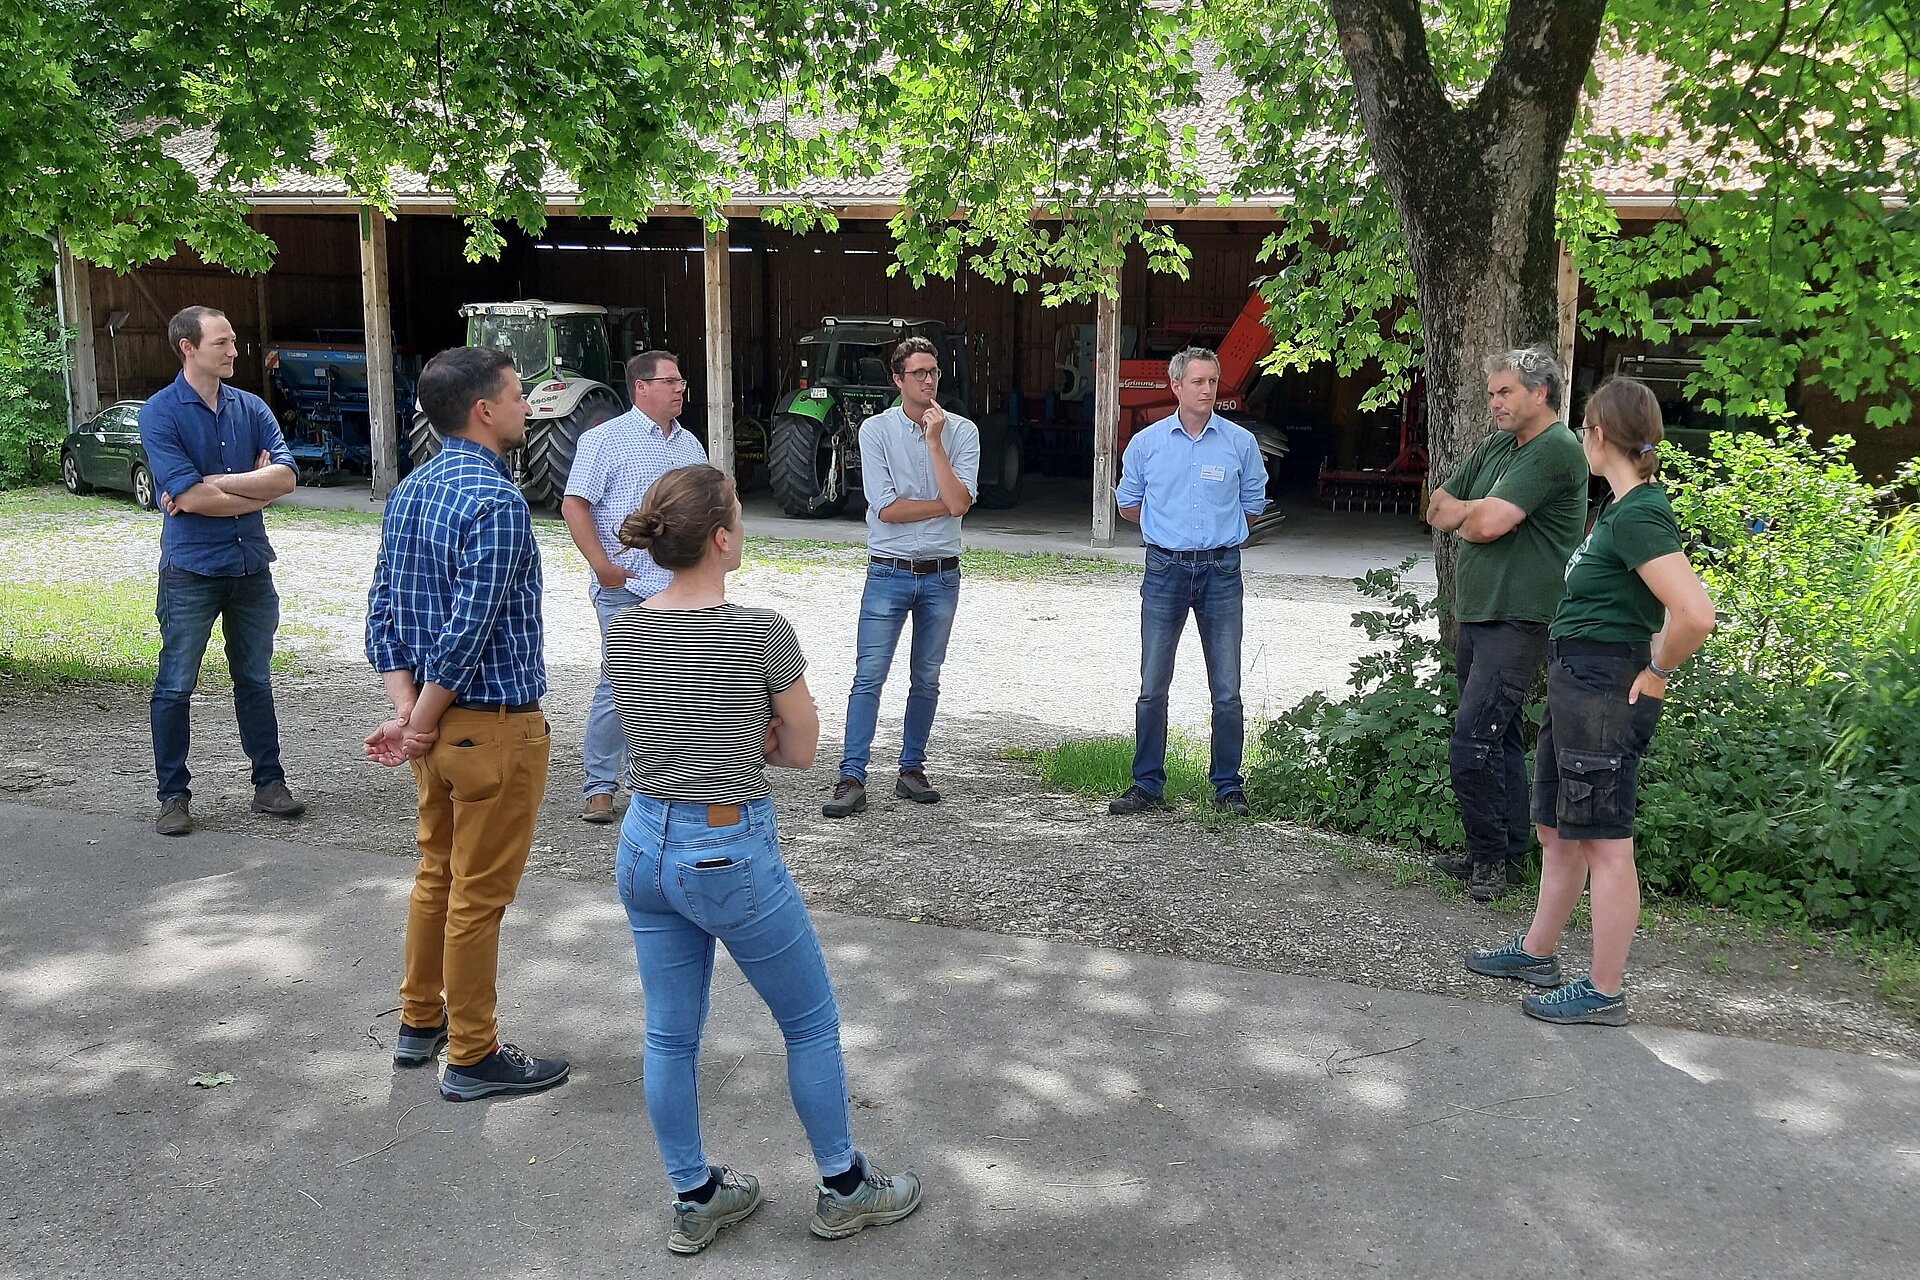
{"points": [[1193, 482], [613, 467], [920, 467]]}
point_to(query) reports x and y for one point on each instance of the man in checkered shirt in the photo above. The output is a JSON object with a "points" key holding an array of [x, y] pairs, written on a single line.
{"points": [[613, 467]]}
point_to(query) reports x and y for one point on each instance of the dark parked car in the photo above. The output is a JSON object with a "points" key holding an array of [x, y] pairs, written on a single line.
{"points": [[106, 454]]}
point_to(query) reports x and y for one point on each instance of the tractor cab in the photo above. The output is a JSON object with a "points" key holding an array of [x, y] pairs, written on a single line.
{"points": [[558, 340]]}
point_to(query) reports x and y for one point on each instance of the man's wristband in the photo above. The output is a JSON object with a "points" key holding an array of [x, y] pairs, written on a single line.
{"points": [[1661, 671]]}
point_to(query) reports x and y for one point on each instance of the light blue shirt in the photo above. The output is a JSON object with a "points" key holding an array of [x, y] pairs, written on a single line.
{"points": [[896, 463], [1193, 495], [614, 465]]}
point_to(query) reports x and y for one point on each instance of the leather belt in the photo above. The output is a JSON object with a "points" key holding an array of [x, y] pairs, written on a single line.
{"points": [[1576, 648], [1209, 553], [918, 566], [495, 708]]}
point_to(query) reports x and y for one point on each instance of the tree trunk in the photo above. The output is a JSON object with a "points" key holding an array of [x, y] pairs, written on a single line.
{"points": [[1474, 184]]}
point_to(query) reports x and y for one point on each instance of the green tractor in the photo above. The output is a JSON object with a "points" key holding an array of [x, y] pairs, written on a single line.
{"points": [[813, 454], [562, 354]]}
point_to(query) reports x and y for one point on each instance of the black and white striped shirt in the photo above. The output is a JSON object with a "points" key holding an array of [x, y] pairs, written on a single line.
{"points": [[694, 688]]}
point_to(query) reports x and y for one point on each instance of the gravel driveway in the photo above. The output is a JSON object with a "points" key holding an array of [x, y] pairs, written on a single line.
{"points": [[1035, 658]]}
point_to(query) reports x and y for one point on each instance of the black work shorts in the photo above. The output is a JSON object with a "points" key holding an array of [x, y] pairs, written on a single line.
{"points": [[1586, 769]]}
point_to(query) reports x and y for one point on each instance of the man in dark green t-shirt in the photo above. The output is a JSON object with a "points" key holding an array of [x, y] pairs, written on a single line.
{"points": [[1519, 506]]}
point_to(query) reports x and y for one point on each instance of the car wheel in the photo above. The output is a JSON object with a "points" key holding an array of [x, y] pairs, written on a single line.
{"points": [[70, 475], [143, 487]]}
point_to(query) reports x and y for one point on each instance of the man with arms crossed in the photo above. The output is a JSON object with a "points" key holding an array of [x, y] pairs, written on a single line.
{"points": [[453, 628], [1519, 506], [1193, 482], [920, 468], [217, 459], [614, 466]]}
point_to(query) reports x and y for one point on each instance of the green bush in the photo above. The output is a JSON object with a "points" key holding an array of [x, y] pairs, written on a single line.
{"points": [[1373, 763], [33, 416], [1785, 779]]}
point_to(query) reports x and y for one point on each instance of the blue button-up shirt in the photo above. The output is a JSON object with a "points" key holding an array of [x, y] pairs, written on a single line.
{"points": [[896, 462], [614, 465], [1193, 495], [456, 590], [186, 442]]}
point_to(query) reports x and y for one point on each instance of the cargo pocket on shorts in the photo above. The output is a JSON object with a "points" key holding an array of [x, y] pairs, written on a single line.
{"points": [[720, 898], [1589, 789]]}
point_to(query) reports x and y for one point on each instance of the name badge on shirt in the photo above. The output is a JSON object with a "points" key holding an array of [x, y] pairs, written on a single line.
{"points": [[1213, 473]]}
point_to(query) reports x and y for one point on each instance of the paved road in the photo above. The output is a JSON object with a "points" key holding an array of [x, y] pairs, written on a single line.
{"points": [[1074, 1112]]}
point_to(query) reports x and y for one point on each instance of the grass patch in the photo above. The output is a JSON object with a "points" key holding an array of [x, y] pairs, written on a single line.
{"points": [[1103, 766], [57, 634]]}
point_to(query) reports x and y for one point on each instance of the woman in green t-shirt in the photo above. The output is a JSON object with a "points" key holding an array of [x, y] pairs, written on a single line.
{"points": [[1607, 672]]}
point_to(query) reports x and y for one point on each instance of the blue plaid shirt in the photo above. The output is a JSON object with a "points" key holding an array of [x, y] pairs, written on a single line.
{"points": [[456, 591]]}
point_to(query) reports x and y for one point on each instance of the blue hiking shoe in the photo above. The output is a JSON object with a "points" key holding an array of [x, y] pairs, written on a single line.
{"points": [[1577, 1002], [1513, 961]]}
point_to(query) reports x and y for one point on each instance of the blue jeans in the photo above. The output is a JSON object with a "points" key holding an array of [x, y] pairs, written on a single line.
{"points": [[1207, 584], [605, 750], [892, 596], [684, 884], [249, 612]]}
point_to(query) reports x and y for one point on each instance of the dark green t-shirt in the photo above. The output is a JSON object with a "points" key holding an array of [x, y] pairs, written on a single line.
{"points": [[1521, 577], [1606, 598]]}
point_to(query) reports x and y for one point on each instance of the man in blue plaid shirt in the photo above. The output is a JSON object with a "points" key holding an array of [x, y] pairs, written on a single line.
{"points": [[613, 467], [453, 627]]}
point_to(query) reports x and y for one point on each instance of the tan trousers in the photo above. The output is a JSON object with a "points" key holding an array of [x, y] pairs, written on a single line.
{"points": [[480, 788]]}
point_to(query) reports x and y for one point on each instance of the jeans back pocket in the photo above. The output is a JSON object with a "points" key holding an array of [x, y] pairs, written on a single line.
{"points": [[719, 897]]}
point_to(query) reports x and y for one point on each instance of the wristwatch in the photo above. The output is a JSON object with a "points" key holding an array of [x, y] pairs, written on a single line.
{"points": [[1661, 671]]}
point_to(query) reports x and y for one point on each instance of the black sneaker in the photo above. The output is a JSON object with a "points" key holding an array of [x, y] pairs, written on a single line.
{"points": [[849, 798], [1487, 882], [1460, 868], [1136, 800], [1233, 802], [417, 1046], [913, 785], [508, 1069]]}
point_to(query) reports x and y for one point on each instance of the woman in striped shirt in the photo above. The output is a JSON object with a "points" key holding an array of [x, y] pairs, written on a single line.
{"points": [[709, 694]]}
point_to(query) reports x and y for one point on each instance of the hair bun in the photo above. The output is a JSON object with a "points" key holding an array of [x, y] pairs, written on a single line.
{"points": [[641, 528]]}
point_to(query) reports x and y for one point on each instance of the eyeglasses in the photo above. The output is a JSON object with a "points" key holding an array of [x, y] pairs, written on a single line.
{"points": [[1580, 432], [925, 375], [675, 383]]}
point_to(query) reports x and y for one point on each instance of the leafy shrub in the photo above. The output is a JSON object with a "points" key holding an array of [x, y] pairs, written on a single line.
{"points": [[1374, 763], [1781, 532], [33, 417]]}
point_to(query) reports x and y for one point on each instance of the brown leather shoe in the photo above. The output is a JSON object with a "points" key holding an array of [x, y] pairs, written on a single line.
{"points": [[274, 798], [175, 819], [599, 808], [849, 798], [913, 785]]}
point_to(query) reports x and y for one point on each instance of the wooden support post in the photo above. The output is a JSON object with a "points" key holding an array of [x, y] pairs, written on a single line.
{"points": [[719, 352], [376, 310], [263, 315], [1106, 411], [1569, 310], [76, 299]]}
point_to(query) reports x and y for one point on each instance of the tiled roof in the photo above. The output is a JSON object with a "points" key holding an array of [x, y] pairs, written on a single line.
{"points": [[1628, 101]]}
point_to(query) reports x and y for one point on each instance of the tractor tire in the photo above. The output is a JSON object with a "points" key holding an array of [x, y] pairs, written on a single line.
{"points": [[1003, 471], [807, 467], [423, 441], [546, 459]]}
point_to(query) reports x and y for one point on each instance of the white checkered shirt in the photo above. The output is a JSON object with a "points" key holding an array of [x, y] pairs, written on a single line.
{"points": [[613, 467]]}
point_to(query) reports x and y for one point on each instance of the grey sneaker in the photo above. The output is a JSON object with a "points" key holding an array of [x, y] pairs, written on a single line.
{"points": [[695, 1225], [274, 798], [849, 798], [417, 1046], [879, 1199], [175, 818], [1577, 1002], [1515, 961], [913, 785]]}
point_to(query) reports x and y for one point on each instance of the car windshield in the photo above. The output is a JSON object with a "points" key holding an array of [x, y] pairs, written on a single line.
{"points": [[523, 338]]}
